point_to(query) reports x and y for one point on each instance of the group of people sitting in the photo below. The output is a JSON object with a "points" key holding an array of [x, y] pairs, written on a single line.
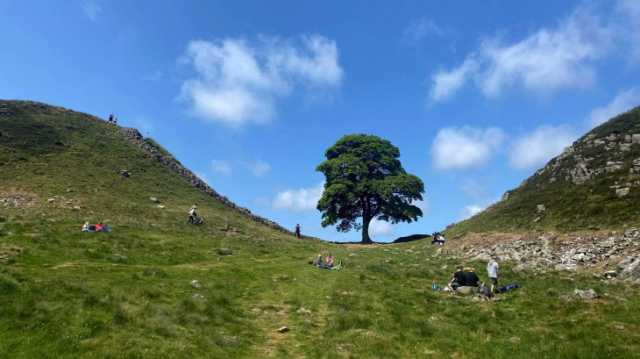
{"points": [[98, 227], [466, 281], [326, 262]]}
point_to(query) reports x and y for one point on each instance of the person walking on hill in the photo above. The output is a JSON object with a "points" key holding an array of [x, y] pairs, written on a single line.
{"points": [[492, 272], [298, 234]]}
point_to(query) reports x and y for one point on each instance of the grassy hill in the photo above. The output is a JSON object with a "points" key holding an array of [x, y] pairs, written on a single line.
{"points": [[593, 184], [131, 293]]}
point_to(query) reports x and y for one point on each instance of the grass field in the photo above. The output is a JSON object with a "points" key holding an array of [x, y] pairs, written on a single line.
{"points": [[130, 293]]}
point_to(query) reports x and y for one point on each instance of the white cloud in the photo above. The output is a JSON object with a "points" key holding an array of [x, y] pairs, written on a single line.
{"points": [[624, 101], [538, 147], [546, 61], [380, 228], [470, 211], [421, 28], [446, 83], [238, 82], [258, 168], [92, 9], [299, 200], [458, 148], [221, 167]]}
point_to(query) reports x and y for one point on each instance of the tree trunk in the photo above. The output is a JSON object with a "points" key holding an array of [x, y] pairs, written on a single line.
{"points": [[365, 230]]}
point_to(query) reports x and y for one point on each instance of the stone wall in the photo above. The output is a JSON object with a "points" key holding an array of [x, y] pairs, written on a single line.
{"points": [[136, 138]]}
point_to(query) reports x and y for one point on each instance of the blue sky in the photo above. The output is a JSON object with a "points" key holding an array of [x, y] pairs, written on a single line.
{"points": [[249, 94]]}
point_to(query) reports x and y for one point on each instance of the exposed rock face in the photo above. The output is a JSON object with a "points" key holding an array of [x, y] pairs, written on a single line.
{"points": [[619, 252], [136, 138]]}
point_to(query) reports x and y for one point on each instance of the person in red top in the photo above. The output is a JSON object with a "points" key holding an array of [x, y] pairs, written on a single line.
{"points": [[99, 227]]}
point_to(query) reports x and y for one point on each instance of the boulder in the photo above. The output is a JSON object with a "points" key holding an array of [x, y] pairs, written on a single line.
{"points": [[196, 284], [622, 192], [154, 199], [586, 294]]}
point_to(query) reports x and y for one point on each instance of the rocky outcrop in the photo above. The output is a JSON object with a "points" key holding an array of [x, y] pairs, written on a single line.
{"points": [[617, 252], [162, 156]]}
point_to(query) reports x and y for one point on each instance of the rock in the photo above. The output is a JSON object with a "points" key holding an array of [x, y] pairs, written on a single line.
{"points": [[283, 329], [51, 200], [161, 206], [635, 138], [197, 296], [154, 199], [622, 192], [610, 274], [196, 284], [613, 166], [541, 208], [76, 208], [225, 251], [303, 311], [629, 268], [587, 294]]}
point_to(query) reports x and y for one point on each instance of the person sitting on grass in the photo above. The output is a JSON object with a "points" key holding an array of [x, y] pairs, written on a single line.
{"points": [[318, 261], [85, 227], [471, 282], [329, 261], [99, 227], [458, 279]]}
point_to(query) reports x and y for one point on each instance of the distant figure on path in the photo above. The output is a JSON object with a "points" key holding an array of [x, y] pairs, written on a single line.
{"points": [[298, 235], [111, 118], [492, 272]]}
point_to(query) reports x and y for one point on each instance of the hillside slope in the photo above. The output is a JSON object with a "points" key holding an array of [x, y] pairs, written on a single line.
{"points": [[593, 184], [157, 287]]}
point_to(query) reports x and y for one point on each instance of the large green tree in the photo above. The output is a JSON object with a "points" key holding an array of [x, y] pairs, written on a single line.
{"points": [[364, 181]]}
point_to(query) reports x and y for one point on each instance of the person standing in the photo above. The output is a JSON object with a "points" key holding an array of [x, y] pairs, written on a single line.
{"points": [[492, 272], [298, 232]]}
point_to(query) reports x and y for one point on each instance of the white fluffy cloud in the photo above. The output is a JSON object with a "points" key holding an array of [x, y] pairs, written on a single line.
{"points": [[458, 148], [470, 211], [446, 83], [380, 228], [624, 101], [539, 146], [237, 82], [299, 200], [548, 60], [258, 168], [221, 167]]}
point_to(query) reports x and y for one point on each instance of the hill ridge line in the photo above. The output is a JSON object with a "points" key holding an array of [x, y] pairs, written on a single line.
{"points": [[133, 136]]}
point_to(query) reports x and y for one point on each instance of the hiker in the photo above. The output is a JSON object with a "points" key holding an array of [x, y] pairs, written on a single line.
{"points": [[85, 227], [193, 215], [110, 118], [492, 273], [457, 280], [438, 239], [298, 235], [99, 227]]}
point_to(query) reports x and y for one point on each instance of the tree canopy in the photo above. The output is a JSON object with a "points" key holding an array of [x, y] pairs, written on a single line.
{"points": [[365, 181]]}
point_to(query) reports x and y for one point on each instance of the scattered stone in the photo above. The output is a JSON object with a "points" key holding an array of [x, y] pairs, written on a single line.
{"points": [[76, 208], [618, 326], [154, 199], [541, 208], [635, 138], [622, 192], [303, 311], [283, 329], [610, 274], [125, 173], [51, 200], [587, 294], [197, 296], [196, 284], [161, 206]]}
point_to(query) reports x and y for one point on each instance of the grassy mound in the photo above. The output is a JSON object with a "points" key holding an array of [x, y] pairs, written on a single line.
{"points": [[158, 288]]}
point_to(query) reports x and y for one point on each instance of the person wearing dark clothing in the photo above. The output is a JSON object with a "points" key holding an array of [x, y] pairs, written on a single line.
{"points": [[471, 278], [298, 234]]}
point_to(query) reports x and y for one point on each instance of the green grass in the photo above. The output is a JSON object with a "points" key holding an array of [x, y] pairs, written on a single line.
{"points": [[128, 294]]}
